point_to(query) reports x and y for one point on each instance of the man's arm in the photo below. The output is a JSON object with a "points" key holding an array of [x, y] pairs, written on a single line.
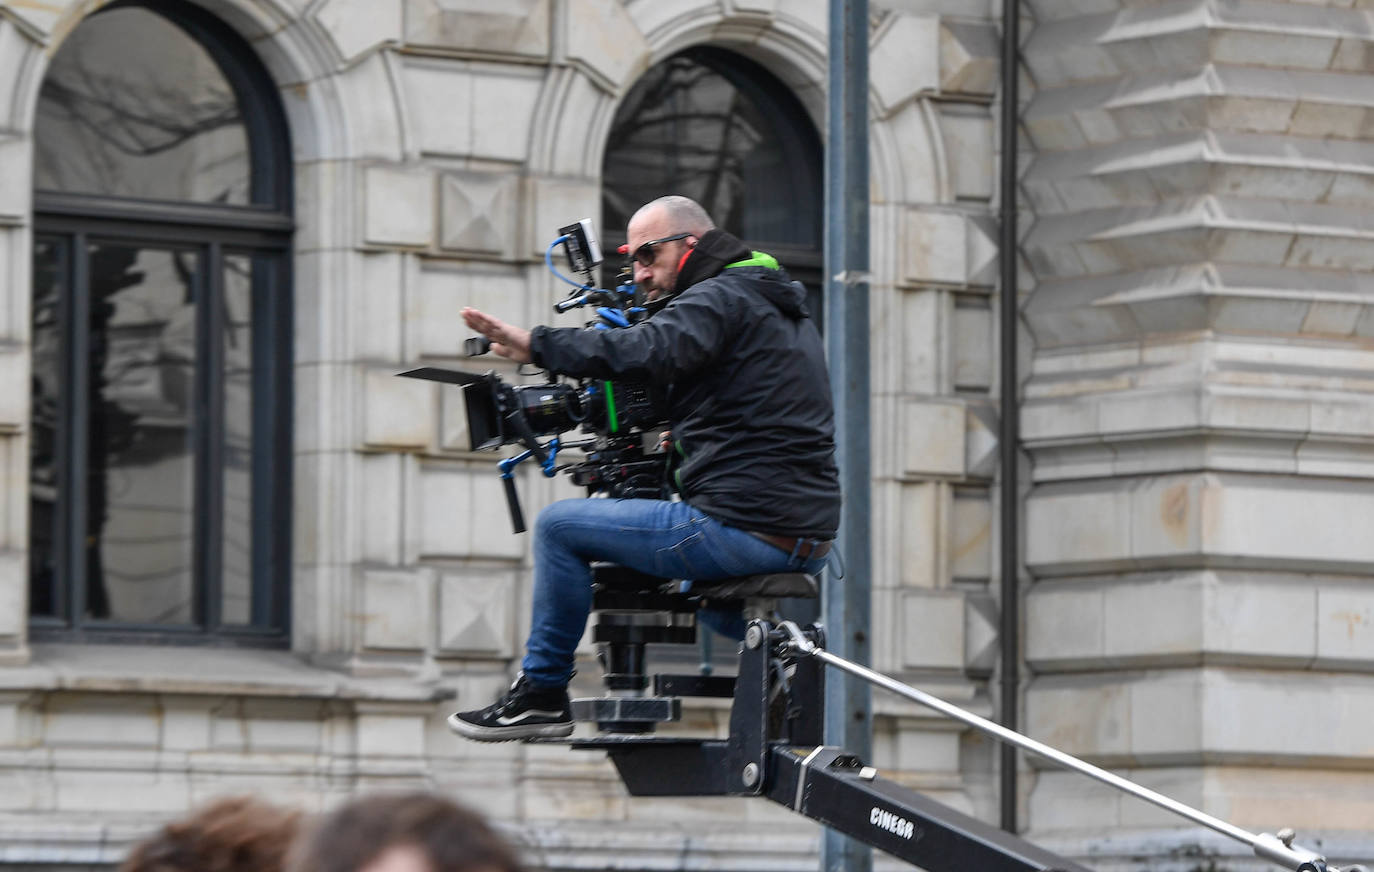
{"points": [[687, 335], [506, 340]]}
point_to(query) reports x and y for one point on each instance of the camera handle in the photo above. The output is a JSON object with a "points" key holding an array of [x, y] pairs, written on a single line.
{"points": [[517, 517], [547, 464]]}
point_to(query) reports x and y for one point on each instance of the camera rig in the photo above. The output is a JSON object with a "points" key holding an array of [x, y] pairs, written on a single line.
{"points": [[775, 747], [620, 420]]}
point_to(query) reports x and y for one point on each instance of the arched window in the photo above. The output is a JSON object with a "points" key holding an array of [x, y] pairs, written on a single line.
{"points": [[161, 327], [714, 126], [719, 128]]}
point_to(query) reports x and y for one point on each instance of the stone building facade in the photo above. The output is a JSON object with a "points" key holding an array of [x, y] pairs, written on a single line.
{"points": [[1196, 418]]}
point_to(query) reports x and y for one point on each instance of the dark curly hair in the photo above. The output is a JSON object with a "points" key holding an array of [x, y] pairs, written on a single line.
{"points": [[239, 834], [452, 838]]}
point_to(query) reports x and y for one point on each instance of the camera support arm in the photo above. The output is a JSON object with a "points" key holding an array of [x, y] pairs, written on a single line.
{"points": [[1275, 848], [786, 762], [835, 788]]}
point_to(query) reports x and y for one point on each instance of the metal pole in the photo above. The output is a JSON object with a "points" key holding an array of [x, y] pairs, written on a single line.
{"points": [[846, 601], [1009, 433], [1265, 845]]}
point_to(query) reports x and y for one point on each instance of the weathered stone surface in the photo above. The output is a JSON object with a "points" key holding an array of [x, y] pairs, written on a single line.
{"points": [[434, 313], [1232, 519], [972, 336], [921, 550], [968, 142], [399, 206], [369, 94], [460, 511], [476, 613], [398, 412], [934, 438], [386, 732], [1160, 716], [968, 57], [378, 306], [982, 635], [396, 609], [904, 59], [602, 36], [452, 108], [518, 28], [14, 398], [13, 603], [935, 247], [971, 536], [1263, 620], [477, 213], [939, 641], [551, 203], [382, 478], [923, 369], [16, 191], [358, 25]]}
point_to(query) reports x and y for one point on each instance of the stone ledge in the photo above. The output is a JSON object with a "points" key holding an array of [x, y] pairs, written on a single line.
{"points": [[202, 671]]}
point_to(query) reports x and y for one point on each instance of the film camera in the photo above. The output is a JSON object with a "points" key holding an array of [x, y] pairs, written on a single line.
{"points": [[620, 421]]}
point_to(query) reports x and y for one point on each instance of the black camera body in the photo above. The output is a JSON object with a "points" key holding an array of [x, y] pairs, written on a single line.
{"points": [[621, 420], [618, 418]]}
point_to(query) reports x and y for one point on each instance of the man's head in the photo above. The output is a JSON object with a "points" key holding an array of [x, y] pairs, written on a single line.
{"points": [[406, 832], [659, 234], [231, 835]]}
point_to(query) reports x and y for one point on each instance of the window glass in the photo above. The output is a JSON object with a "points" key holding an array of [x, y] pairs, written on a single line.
{"points": [[719, 129], [158, 121], [141, 476], [160, 461], [237, 606], [49, 289]]}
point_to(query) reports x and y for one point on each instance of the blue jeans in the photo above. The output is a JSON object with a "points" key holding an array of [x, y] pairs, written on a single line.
{"points": [[658, 537]]}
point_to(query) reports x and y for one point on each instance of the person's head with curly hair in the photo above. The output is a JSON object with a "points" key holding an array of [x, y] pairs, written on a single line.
{"points": [[239, 834], [404, 832]]}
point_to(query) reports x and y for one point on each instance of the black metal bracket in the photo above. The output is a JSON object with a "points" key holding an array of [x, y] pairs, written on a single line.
{"points": [[775, 750]]}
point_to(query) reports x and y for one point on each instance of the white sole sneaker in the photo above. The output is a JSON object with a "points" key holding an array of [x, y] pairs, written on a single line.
{"points": [[481, 733]]}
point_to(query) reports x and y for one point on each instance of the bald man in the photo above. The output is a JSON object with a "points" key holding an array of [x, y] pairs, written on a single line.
{"points": [[741, 365]]}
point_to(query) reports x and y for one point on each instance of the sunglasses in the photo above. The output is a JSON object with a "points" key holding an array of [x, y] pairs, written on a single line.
{"points": [[645, 255]]}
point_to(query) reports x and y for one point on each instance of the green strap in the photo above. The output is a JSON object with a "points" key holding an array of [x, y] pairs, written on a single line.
{"points": [[610, 408], [760, 258], [677, 469]]}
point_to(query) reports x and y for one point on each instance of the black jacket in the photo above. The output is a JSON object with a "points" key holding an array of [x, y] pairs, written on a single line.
{"points": [[748, 397]]}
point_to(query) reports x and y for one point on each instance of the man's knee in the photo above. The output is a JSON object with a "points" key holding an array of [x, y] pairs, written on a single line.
{"points": [[556, 515]]}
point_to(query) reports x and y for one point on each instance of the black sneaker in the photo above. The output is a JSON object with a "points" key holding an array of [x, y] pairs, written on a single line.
{"points": [[525, 712]]}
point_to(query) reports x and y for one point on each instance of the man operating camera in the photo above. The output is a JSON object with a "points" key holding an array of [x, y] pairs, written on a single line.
{"points": [[742, 368]]}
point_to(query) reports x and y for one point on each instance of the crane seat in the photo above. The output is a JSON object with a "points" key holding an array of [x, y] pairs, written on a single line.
{"points": [[772, 585], [634, 609]]}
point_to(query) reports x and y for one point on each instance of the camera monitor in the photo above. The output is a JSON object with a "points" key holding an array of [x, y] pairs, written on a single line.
{"points": [[579, 241]]}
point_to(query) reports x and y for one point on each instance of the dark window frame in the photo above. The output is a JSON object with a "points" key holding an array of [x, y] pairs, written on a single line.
{"points": [[261, 231]]}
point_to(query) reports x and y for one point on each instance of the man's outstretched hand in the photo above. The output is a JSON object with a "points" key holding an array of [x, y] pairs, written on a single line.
{"points": [[507, 341]]}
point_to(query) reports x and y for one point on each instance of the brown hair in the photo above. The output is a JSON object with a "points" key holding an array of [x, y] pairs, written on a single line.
{"points": [[239, 834], [453, 838]]}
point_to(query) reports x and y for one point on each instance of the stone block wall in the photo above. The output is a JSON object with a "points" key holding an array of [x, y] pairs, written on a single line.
{"points": [[1197, 417], [1195, 277], [437, 147]]}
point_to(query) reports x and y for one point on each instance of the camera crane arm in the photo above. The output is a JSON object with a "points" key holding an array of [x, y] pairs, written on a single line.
{"points": [[820, 782], [1276, 848], [835, 788]]}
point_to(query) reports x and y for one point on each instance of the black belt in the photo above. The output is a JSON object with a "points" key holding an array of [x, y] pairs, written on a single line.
{"points": [[806, 549]]}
